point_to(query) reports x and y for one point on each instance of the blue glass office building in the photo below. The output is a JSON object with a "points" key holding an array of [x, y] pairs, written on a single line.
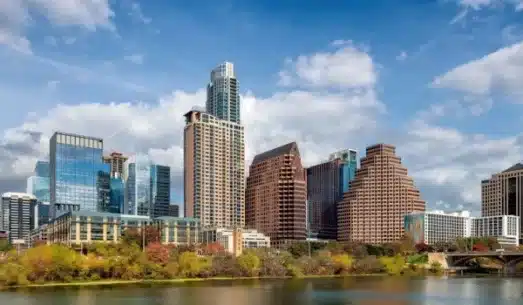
{"points": [[117, 196], [326, 184], [147, 188], [79, 179]]}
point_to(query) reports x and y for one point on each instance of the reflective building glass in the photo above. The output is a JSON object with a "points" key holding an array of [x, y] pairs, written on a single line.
{"points": [[147, 188], [77, 174], [117, 196]]}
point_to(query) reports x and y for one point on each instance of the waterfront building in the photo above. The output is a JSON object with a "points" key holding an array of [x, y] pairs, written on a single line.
{"points": [[178, 230], [148, 188], [17, 212], [78, 175], [223, 98], [234, 241], [326, 184], [116, 162], [436, 226], [276, 195], [502, 194], [76, 228], [174, 210], [37, 236], [373, 209], [214, 170]]}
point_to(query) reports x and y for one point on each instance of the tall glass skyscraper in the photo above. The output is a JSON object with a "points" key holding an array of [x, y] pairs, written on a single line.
{"points": [[38, 186], [148, 188], [79, 179], [223, 98], [117, 196]]}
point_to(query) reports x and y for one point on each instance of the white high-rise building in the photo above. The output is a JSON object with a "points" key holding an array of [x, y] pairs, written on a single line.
{"points": [[214, 155]]}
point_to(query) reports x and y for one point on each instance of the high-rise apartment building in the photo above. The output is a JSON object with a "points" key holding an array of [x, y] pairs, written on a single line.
{"points": [[373, 209], [326, 184], [276, 195], [116, 160], [78, 175], [223, 98], [148, 188], [214, 170], [502, 194], [17, 212]]}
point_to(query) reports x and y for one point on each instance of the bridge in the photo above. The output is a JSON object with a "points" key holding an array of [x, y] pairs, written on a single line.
{"points": [[507, 259]]}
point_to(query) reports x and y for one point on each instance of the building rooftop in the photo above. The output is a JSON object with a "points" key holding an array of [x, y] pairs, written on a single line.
{"points": [[15, 194], [278, 151], [513, 168]]}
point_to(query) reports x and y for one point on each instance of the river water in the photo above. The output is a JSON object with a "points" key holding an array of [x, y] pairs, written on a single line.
{"points": [[336, 291]]}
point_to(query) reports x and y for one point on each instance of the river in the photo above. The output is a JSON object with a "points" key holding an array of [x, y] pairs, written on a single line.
{"points": [[334, 291]]}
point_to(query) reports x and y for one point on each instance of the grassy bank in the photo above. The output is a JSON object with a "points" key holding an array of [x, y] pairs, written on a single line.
{"points": [[175, 281]]}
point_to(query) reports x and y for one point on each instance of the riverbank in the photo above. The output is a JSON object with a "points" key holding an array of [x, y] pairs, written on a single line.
{"points": [[177, 281]]}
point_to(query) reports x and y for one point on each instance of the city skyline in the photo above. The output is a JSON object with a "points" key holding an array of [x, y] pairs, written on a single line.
{"points": [[436, 93]]}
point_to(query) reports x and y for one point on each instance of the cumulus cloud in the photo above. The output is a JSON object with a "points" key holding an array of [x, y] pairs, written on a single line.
{"points": [[15, 15], [501, 70], [348, 67]]}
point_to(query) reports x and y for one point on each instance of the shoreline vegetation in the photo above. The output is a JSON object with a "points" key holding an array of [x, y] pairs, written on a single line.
{"points": [[131, 262]]}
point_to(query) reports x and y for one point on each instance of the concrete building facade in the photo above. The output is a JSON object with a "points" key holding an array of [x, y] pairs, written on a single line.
{"points": [[214, 170], [235, 241], [326, 184], [276, 195], [502, 194], [433, 227], [116, 162], [17, 211], [381, 194]]}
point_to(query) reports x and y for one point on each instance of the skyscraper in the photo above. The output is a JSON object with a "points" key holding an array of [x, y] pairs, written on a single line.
{"points": [[116, 160], [17, 212], [148, 188], [381, 194], [223, 98], [38, 185], [77, 173], [502, 194], [276, 195], [214, 170], [326, 184]]}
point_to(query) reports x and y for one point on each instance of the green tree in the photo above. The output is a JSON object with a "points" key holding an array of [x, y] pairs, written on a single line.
{"points": [[342, 263], [189, 264], [249, 263]]}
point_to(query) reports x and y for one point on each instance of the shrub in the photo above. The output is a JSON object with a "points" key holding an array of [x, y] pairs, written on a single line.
{"points": [[366, 265]]}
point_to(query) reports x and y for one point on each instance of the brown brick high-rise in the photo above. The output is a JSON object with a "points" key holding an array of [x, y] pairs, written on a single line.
{"points": [[379, 197], [276, 195]]}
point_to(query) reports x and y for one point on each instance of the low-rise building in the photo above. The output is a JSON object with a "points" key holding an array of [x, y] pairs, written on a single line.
{"points": [[38, 236], [234, 241], [84, 227], [436, 226], [178, 230]]}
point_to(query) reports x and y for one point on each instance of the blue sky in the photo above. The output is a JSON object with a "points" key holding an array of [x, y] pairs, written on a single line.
{"points": [[431, 77]]}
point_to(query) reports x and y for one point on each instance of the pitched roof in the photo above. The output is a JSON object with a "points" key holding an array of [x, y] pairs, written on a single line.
{"points": [[513, 168], [278, 151]]}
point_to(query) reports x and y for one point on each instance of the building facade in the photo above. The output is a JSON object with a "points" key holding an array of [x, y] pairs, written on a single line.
{"points": [[373, 209], [436, 226], [17, 212], [326, 184], [116, 162], [75, 169], [38, 183], [83, 227], [276, 195], [214, 170], [502, 194], [174, 210], [235, 241], [148, 188], [178, 231], [223, 98], [117, 195]]}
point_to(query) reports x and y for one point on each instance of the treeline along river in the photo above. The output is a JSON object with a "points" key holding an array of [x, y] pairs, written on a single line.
{"points": [[371, 290]]}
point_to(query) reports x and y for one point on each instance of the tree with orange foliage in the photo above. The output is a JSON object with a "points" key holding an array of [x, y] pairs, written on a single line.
{"points": [[212, 248], [158, 253]]}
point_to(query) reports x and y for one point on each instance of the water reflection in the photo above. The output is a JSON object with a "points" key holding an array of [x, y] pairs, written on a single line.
{"points": [[353, 291]]}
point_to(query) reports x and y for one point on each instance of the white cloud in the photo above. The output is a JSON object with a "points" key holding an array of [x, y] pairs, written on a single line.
{"points": [[137, 14], [69, 40], [15, 15], [348, 67], [135, 58], [500, 70], [480, 4], [402, 56]]}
